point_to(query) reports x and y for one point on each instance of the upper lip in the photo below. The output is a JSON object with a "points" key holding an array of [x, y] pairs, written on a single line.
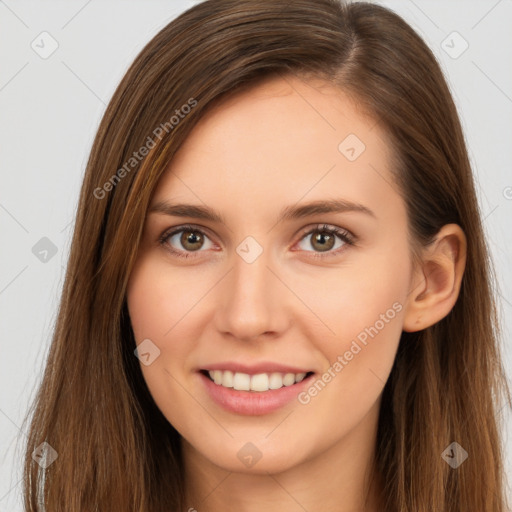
{"points": [[254, 369]]}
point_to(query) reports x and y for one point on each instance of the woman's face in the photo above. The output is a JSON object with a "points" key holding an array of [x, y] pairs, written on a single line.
{"points": [[263, 294]]}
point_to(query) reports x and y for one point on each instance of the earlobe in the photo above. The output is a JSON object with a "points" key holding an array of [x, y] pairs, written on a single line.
{"points": [[436, 285]]}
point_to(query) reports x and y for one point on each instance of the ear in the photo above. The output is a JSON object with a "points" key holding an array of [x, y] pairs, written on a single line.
{"points": [[436, 283]]}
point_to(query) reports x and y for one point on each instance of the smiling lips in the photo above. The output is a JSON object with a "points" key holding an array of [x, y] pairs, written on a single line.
{"points": [[253, 393], [253, 389]]}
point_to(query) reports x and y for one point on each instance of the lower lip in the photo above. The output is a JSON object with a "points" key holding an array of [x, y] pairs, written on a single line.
{"points": [[253, 403]]}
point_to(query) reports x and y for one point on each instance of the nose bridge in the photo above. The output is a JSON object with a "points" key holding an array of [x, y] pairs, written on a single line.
{"points": [[250, 284], [249, 303]]}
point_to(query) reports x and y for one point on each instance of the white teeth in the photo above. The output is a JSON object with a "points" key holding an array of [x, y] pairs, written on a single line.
{"points": [[276, 381], [242, 381], [227, 379], [289, 379], [259, 382]]}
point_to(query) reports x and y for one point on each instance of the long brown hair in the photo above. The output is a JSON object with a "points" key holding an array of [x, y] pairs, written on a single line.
{"points": [[116, 451]]}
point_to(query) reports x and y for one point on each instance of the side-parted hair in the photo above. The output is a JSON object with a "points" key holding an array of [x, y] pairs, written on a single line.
{"points": [[116, 450]]}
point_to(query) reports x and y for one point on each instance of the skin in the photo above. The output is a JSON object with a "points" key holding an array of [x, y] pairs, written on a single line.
{"points": [[260, 150]]}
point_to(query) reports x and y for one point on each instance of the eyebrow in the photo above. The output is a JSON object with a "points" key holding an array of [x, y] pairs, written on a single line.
{"points": [[288, 213]]}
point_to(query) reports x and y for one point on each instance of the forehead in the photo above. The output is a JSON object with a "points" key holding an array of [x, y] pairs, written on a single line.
{"points": [[280, 141]]}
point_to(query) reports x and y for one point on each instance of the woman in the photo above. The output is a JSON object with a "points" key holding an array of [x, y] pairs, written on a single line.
{"points": [[278, 293]]}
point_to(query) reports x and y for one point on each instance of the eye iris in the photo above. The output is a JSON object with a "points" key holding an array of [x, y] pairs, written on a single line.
{"points": [[191, 237], [326, 241]]}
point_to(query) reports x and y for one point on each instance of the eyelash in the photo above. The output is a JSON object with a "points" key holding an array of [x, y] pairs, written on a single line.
{"points": [[344, 235]]}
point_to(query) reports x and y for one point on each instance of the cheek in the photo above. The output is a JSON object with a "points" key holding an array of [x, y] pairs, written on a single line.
{"points": [[158, 298], [155, 311], [368, 293], [147, 311], [164, 307], [361, 309]]}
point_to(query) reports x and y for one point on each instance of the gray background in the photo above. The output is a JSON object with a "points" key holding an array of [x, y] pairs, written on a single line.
{"points": [[50, 109]]}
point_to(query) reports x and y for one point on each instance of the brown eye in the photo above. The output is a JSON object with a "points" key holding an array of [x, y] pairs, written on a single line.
{"points": [[323, 241], [326, 239], [185, 240], [191, 240]]}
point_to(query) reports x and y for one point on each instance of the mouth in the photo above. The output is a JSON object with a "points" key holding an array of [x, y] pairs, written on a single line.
{"points": [[255, 383], [254, 389]]}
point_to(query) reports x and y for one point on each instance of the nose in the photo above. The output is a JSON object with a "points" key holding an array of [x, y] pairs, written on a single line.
{"points": [[252, 300]]}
